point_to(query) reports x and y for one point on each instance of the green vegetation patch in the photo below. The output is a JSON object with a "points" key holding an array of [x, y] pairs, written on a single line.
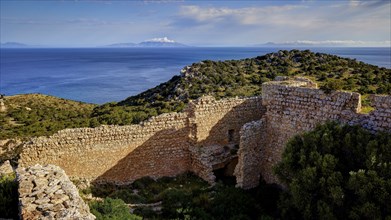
{"points": [[188, 197], [336, 172], [38, 115], [8, 197], [112, 209]]}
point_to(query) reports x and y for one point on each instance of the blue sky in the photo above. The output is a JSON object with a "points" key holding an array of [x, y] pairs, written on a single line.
{"points": [[199, 23]]}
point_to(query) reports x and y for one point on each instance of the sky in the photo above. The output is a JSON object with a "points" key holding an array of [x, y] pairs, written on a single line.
{"points": [[79, 23]]}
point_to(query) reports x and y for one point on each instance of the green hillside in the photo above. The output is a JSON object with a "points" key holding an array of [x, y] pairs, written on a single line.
{"points": [[244, 78], [217, 78], [37, 115]]}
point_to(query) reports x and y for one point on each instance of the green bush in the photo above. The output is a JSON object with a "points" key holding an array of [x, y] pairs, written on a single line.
{"points": [[8, 197], [332, 84], [337, 172], [112, 209]]}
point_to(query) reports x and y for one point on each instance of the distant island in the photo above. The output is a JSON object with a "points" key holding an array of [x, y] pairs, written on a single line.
{"points": [[13, 45], [325, 43], [155, 42]]}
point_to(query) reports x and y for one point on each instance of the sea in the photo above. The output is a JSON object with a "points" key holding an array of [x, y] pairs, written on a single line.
{"points": [[100, 75]]}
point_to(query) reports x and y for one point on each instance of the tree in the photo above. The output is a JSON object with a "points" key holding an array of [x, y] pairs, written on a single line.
{"points": [[337, 172]]}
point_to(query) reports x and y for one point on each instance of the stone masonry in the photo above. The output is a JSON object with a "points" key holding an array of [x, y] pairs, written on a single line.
{"points": [[205, 136], [252, 136], [161, 146], [214, 131], [293, 107], [45, 192]]}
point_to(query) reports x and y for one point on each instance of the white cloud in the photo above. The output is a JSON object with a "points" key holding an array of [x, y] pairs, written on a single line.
{"points": [[161, 40], [363, 23], [244, 16]]}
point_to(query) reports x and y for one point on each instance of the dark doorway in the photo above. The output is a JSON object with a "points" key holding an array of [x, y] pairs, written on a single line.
{"points": [[226, 174], [231, 135]]}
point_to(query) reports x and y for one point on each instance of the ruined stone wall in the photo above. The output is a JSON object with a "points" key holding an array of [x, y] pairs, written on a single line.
{"points": [[45, 192], [294, 109], [162, 146], [380, 118], [118, 154], [213, 120], [252, 137], [214, 131]]}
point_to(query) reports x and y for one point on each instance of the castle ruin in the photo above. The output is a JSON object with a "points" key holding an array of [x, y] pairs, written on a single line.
{"points": [[245, 136]]}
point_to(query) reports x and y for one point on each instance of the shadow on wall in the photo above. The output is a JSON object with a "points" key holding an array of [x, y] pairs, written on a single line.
{"points": [[164, 154], [225, 130], [167, 152], [217, 138]]}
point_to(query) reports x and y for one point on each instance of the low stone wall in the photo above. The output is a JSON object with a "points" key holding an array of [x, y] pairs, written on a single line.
{"points": [[157, 147], [45, 192], [117, 154]]}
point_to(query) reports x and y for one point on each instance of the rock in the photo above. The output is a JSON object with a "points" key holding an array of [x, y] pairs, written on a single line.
{"points": [[6, 168], [45, 192]]}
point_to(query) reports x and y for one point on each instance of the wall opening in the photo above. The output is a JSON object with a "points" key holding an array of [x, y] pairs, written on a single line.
{"points": [[231, 135], [226, 173]]}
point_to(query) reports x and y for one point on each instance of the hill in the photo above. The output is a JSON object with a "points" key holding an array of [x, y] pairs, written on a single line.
{"points": [[245, 77], [217, 78]]}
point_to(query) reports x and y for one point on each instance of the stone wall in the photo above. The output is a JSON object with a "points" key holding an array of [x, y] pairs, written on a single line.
{"points": [[206, 136], [294, 107], [47, 193], [118, 154], [165, 145], [214, 121], [252, 137], [214, 133]]}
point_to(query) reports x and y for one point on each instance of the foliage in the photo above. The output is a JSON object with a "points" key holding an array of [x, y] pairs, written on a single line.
{"points": [[111, 209], [337, 172], [188, 197], [8, 197], [37, 115]]}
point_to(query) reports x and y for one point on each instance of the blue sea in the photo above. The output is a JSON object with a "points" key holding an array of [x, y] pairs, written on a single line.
{"points": [[99, 75]]}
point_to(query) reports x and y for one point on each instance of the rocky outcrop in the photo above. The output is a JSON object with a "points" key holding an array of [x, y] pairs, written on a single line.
{"points": [[45, 192]]}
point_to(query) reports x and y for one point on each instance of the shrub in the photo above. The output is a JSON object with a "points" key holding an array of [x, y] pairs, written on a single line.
{"points": [[8, 197], [112, 209], [337, 172]]}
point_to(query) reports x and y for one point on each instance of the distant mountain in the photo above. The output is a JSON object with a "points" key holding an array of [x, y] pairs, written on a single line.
{"points": [[13, 45], [155, 42], [161, 42]]}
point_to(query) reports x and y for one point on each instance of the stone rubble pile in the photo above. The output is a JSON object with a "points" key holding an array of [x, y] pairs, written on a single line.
{"points": [[45, 192]]}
